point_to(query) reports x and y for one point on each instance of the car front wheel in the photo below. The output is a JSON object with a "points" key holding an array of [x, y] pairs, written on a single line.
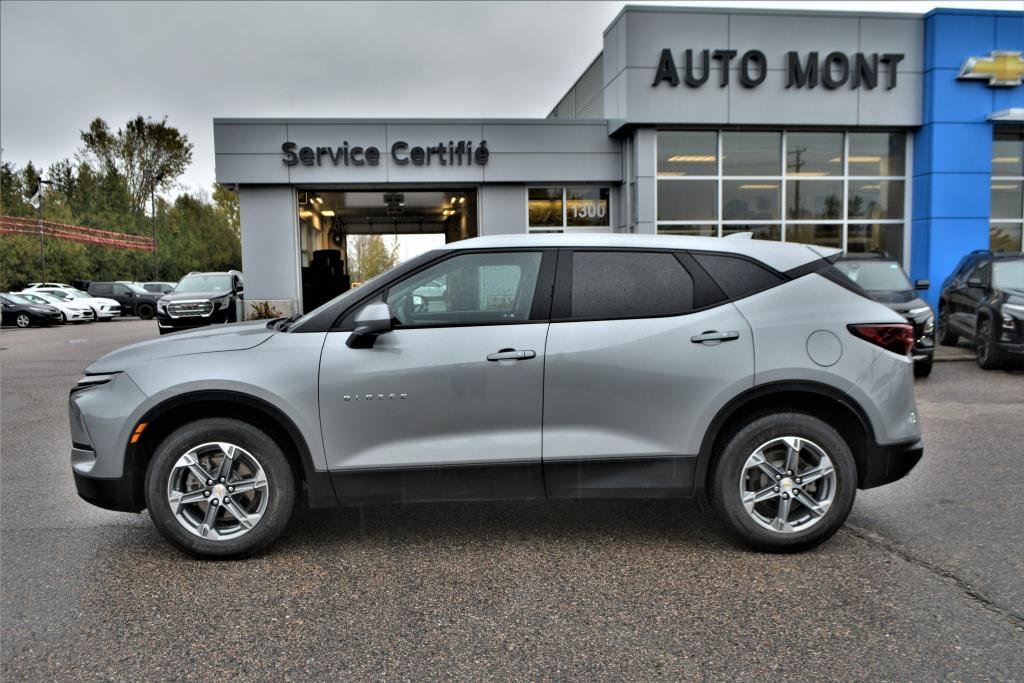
{"points": [[784, 482], [943, 334], [23, 320], [220, 488], [145, 311]]}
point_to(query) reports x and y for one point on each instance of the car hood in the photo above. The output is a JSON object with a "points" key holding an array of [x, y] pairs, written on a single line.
{"points": [[895, 299], [186, 296], [237, 337], [97, 300], [903, 306]]}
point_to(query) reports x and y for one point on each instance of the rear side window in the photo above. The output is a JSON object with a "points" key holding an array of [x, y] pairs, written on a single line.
{"points": [[102, 290], [738, 277], [628, 284]]}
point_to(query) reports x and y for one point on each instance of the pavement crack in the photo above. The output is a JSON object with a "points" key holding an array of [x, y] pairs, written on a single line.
{"points": [[965, 586]]}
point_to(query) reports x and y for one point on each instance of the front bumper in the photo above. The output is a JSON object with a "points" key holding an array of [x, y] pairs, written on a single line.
{"points": [[107, 313], [166, 322], [886, 464], [123, 494]]}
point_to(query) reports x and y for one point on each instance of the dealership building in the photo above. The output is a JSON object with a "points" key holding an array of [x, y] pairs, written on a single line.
{"points": [[864, 131]]}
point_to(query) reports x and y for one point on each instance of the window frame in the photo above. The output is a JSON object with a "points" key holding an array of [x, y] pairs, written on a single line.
{"points": [[565, 227]]}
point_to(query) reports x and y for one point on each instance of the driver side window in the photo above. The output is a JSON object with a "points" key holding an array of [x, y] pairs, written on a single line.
{"points": [[468, 289]]}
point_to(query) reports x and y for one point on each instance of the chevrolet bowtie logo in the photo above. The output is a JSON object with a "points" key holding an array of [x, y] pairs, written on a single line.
{"points": [[999, 68]]}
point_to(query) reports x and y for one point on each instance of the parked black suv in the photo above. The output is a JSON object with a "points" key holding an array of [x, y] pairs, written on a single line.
{"points": [[983, 300], [884, 280], [201, 299], [134, 299]]}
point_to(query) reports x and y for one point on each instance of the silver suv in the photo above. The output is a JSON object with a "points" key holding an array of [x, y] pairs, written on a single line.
{"points": [[589, 366]]}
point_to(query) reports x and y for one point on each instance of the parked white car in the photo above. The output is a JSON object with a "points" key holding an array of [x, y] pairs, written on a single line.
{"points": [[71, 311], [103, 308]]}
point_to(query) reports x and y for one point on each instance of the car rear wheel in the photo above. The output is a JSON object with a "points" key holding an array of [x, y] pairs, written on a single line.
{"points": [[145, 311], [985, 347], [23, 320], [923, 368], [220, 488], [784, 482], [944, 336]]}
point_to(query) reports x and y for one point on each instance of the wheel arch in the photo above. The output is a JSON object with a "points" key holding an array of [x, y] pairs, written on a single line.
{"points": [[813, 398], [171, 413]]}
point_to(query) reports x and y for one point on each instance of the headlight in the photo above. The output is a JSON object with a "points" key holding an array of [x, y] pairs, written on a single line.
{"points": [[161, 305], [1013, 308], [918, 311], [91, 381], [929, 325]]}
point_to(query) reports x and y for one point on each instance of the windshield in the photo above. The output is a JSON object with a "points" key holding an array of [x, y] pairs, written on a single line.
{"points": [[72, 294], [18, 299], [1008, 274], [42, 297], [204, 283], [135, 287], [876, 276]]}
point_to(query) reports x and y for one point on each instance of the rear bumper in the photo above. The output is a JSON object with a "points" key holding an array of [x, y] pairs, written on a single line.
{"points": [[886, 464]]}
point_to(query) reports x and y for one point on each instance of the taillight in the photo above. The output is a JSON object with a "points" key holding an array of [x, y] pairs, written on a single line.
{"points": [[895, 337]]}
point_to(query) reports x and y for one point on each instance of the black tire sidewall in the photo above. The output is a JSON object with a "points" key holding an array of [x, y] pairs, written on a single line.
{"points": [[738, 447], [985, 339], [945, 337], [280, 479], [923, 369], [145, 311]]}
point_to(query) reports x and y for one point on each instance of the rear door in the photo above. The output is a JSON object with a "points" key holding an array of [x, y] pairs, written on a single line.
{"points": [[642, 351]]}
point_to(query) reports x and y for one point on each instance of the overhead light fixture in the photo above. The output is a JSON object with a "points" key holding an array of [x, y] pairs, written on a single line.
{"points": [[759, 187], [1005, 160], [327, 212], [858, 159], [1006, 187], [678, 158], [318, 200], [807, 174], [462, 200], [870, 187]]}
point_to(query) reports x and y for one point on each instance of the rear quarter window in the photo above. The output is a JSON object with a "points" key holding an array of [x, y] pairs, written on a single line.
{"points": [[738, 277]]}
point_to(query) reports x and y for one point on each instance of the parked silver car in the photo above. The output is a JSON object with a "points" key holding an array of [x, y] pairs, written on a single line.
{"points": [[554, 366]]}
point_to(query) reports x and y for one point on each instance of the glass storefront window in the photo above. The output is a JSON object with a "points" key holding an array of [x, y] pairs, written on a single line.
{"points": [[761, 232], [814, 199], [876, 199], [877, 154], [545, 207], [1006, 236], [750, 153], [586, 207], [693, 230], [830, 235], [688, 152], [814, 154], [830, 188], [687, 200], [1008, 151], [748, 200], [875, 237], [1007, 199]]}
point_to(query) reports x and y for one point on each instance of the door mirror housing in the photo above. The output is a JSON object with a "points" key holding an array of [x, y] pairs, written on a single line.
{"points": [[371, 322], [922, 284]]}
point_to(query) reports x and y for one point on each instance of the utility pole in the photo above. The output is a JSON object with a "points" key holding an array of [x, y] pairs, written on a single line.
{"points": [[154, 179], [37, 201]]}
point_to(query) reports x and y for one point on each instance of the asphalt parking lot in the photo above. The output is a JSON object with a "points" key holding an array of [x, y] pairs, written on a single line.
{"points": [[926, 582]]}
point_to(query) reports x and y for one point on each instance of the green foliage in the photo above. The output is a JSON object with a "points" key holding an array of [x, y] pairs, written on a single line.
{"points": [[369, 255], [102, 190]]}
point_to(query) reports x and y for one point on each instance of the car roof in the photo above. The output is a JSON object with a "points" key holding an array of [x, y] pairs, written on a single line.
{"points": [[779, 255]]}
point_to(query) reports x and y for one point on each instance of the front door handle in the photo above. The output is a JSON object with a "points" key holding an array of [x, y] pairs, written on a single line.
{"points": [[512, 354], [714, 337]]}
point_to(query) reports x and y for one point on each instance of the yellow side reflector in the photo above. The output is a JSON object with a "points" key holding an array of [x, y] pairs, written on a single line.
{"points": [[138, 432]]}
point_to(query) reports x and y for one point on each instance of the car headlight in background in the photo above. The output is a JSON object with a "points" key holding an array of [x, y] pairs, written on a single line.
{"points": [[929, 325], [918, 311], [1014, 308]]}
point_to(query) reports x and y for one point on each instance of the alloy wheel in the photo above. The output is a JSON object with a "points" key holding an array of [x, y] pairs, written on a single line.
{"points": [[787, 484], [218, 491], [23, 320]]}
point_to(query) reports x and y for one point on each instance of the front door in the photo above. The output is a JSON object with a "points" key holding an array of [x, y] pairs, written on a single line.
{"points": [[448, 405]]}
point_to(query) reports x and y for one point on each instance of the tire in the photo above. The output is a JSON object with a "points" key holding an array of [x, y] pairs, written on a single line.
{"points": [[63, 319], [270, 505], [23, 320], [145, 311], [943, 335], [985, 347], [923, 368], [768, 435]]}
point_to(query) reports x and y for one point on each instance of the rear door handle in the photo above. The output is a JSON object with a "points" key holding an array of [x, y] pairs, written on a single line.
{"points": [[512, 354], [714, 337]]}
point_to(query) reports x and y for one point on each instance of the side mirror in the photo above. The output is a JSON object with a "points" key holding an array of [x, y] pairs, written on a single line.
{"points": [[922, 284], [371, 322], [975, 282], [239, 289]]}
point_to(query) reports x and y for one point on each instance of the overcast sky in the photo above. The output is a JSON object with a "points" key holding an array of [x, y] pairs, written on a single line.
{"points": [[64, 63]]}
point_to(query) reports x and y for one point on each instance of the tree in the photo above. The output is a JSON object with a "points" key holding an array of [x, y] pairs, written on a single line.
{"points": [[139, 153], [226, 200], [368, 255]]}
